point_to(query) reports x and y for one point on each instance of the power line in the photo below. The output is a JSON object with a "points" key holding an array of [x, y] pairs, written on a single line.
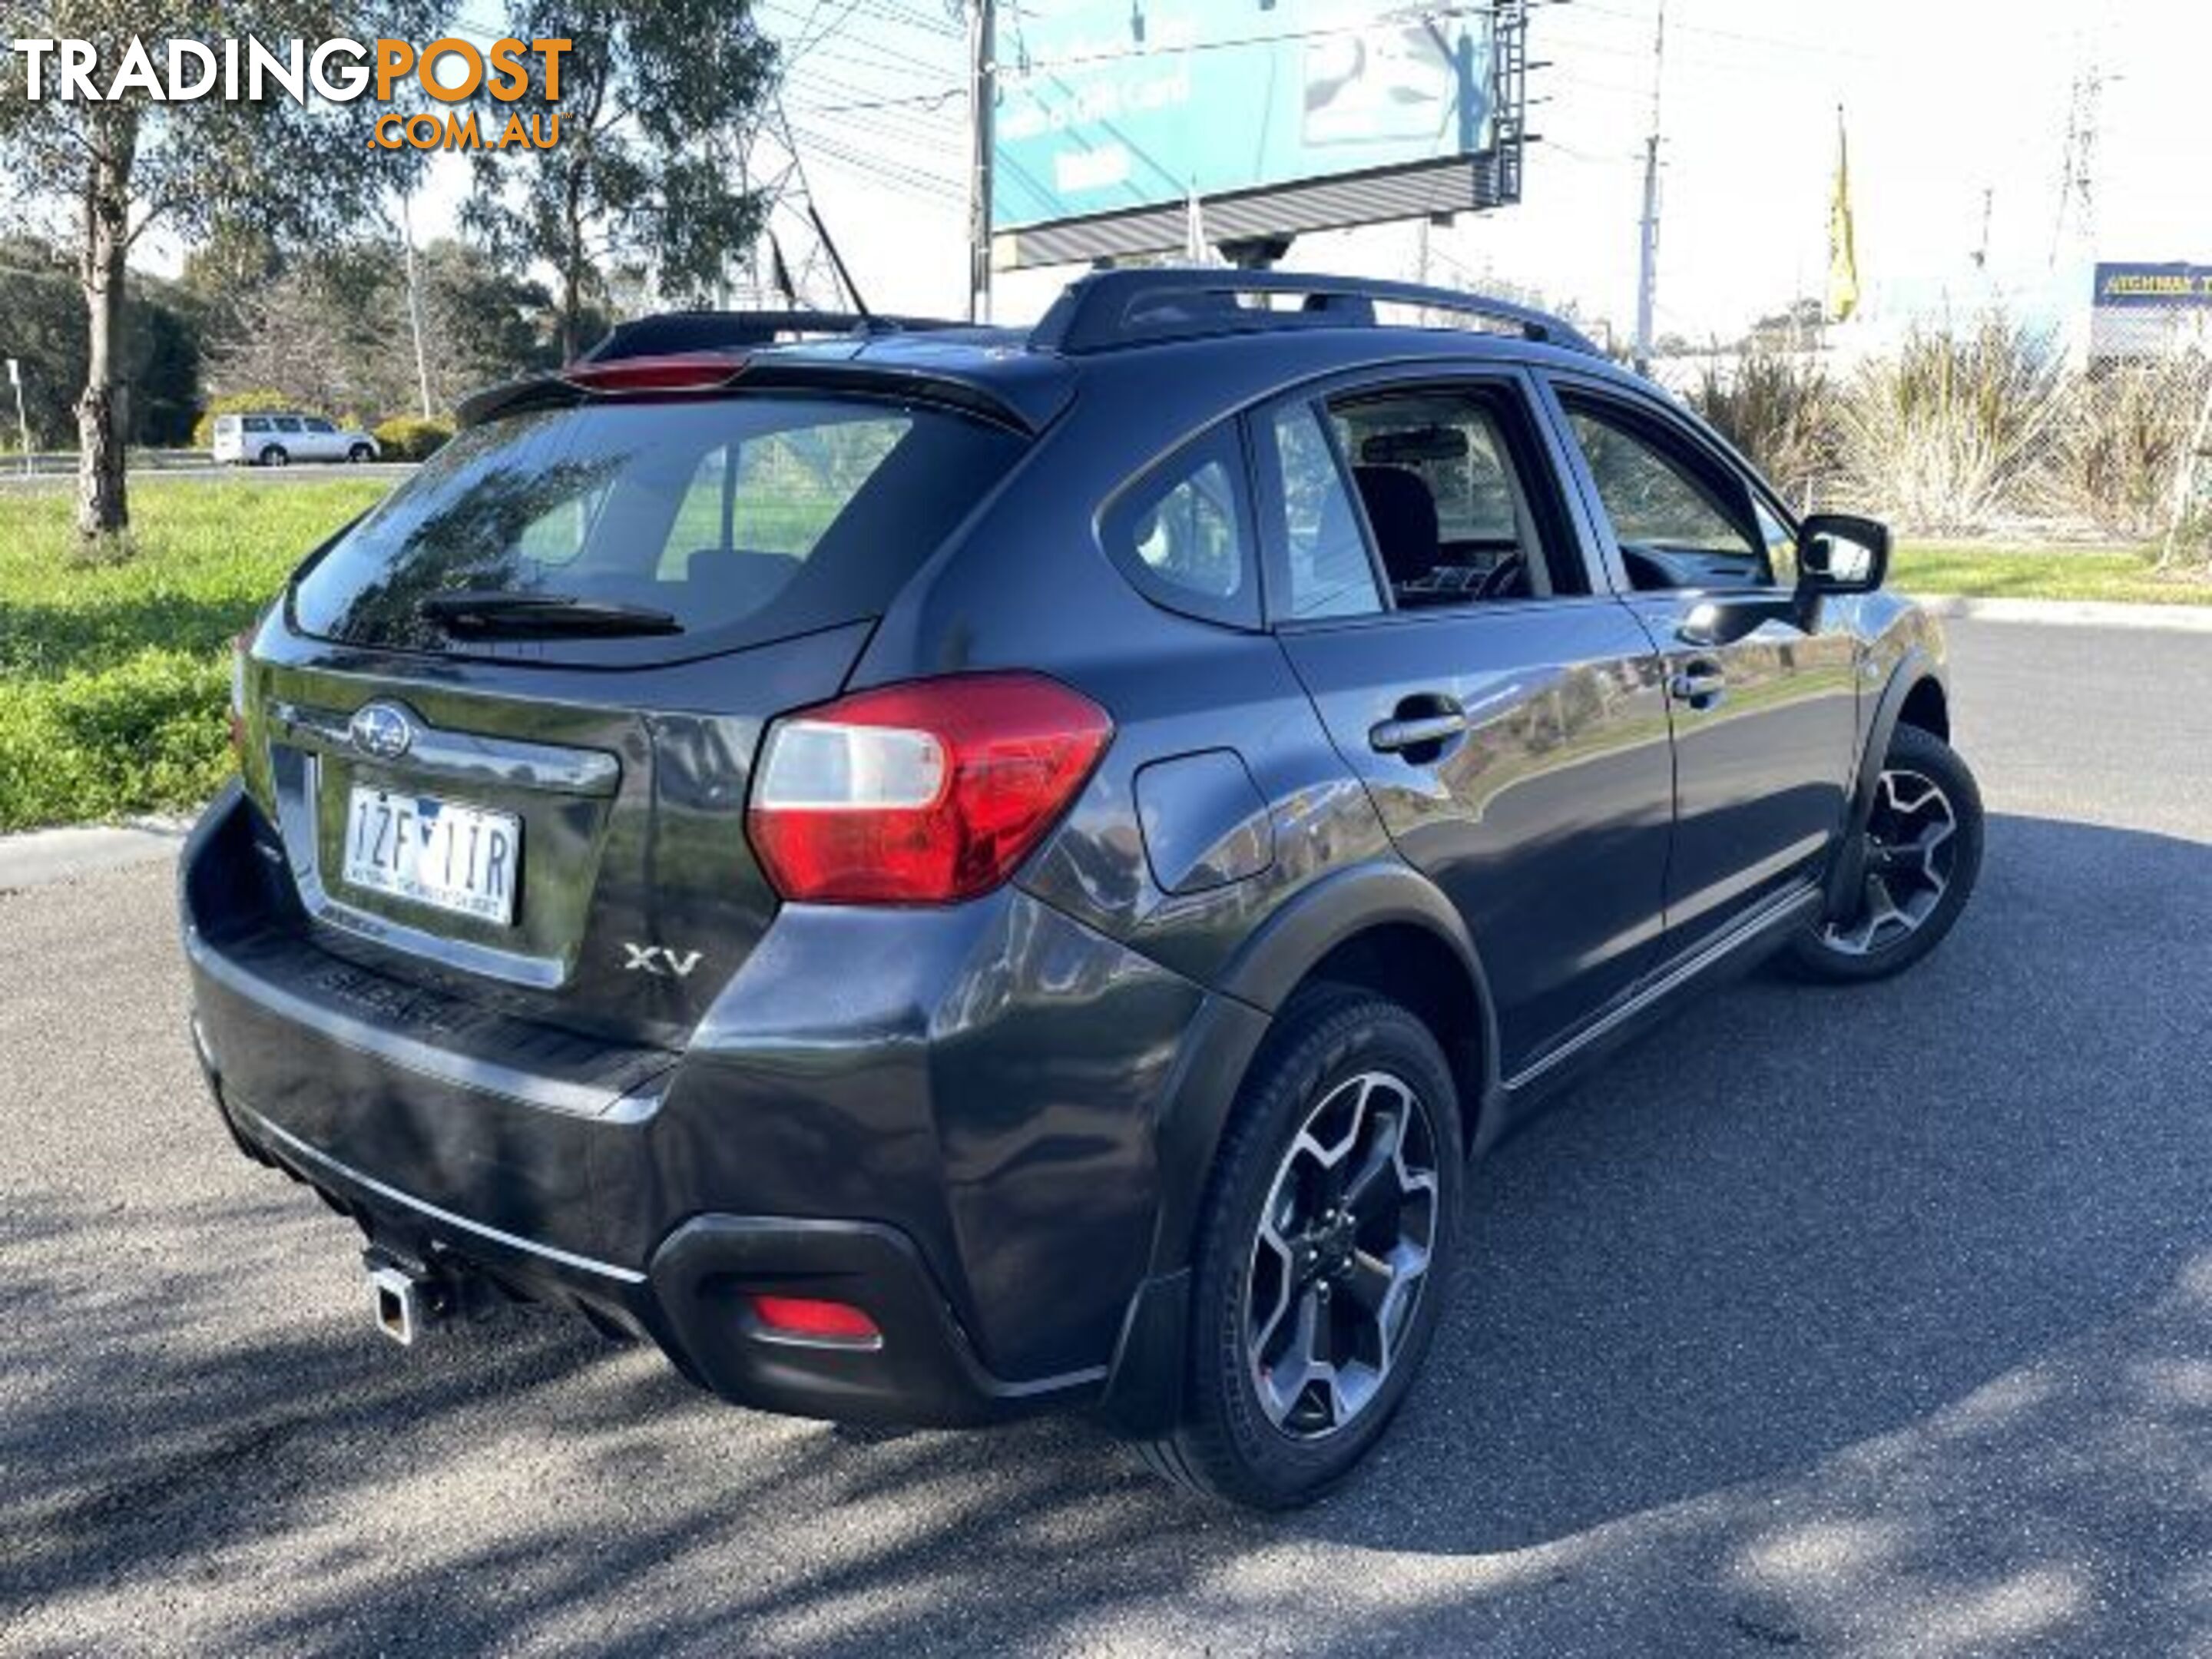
{"points": [[1024, 64]]}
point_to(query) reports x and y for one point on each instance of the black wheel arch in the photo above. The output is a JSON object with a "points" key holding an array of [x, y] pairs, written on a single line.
{"points": [[1916, 695], [1381, 926]]}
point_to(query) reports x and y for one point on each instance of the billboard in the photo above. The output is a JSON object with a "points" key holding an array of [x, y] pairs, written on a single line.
{"points": [[2127, 285], [1280, 115]]}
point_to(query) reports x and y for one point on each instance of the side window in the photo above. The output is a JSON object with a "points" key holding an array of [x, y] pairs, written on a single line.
{"points": [[257, 423], [1677, 526], [321, 426], [288, 423], [1781, 545], [1328, 572], [1458, 499], [1181, 532]]}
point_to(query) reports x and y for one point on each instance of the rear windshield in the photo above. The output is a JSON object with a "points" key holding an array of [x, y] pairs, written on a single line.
{"points": [[744, 519]]}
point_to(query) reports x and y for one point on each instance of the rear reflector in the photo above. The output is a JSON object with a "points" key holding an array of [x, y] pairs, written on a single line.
{"points": [[922, 793], [803, 1318]]}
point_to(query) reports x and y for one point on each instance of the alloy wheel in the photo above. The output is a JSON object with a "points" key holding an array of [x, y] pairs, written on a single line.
{"points": [[1341, 1254], [1910, 847]]}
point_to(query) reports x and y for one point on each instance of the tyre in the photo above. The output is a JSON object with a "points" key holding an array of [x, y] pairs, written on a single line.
{"points": [[1923, 851], [274, 455], [1323, 1254], [359, 453]]}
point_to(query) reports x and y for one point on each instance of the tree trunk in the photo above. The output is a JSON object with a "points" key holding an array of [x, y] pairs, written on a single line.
{"points": [[103, 507], [572, 268]]}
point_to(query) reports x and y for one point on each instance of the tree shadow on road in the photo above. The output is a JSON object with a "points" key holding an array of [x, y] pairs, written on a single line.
{"points": [[1875, 1319]]}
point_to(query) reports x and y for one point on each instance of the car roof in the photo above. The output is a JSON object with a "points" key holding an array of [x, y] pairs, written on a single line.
{"points": [[1107, 326]]}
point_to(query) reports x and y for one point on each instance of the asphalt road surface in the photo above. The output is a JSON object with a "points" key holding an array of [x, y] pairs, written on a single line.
{"points": [[1870, 1322]]}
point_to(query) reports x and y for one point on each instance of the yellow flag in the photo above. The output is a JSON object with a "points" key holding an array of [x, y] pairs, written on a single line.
{"points": [[1843, 249]]}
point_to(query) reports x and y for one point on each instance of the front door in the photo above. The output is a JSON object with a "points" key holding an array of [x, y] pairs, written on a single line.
{"points": [[1506, 716], [1765, 708]]}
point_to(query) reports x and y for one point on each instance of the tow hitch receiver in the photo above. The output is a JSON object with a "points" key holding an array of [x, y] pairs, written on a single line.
{"points": [[404, 1300]]}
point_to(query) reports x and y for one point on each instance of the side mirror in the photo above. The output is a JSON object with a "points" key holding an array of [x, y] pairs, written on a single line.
{"points": [[1842, 553]]}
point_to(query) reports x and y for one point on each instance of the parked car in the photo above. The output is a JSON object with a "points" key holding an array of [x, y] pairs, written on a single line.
{"points": [[275, 440], [938, 874]]}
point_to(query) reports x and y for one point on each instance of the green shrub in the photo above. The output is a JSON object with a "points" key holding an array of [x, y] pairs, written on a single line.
{"points": [[411, 438], [262, 401]]}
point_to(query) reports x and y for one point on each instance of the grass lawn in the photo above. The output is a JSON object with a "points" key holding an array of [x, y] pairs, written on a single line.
{"points": [[113, 677], [1978, 571]]}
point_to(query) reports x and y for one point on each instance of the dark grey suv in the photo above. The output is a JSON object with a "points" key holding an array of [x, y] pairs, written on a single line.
{"points": [[937, 872]]}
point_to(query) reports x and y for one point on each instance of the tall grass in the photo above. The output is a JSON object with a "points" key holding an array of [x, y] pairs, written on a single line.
{"points": [[2125, 436], [1947, 434], [1779, 409]]}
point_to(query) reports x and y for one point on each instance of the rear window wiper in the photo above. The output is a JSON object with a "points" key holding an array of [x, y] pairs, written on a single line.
{"points": [[519, 614]]}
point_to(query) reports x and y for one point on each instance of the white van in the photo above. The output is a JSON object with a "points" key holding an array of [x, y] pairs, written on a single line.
{"points": [[279, 440]]}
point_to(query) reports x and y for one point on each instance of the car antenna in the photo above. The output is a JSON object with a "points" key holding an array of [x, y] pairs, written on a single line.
{"points": [[867, 317]]}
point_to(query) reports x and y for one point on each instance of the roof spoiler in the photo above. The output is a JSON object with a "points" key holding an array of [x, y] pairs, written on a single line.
{"points": [[682, 333]]}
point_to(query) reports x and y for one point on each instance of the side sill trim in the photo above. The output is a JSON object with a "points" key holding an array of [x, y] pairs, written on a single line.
{"points": [[298, 1148], [1785, 909]]}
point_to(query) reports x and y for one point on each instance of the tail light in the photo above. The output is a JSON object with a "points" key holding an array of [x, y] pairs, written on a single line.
{"points": [[921, 793], [690, 371]]}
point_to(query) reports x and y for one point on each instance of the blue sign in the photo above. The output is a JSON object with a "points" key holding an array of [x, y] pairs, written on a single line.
{"points": [[2165, 285], [1105, 105]]}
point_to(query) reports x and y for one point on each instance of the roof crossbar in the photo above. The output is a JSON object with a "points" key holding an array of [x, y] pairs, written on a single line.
{"points": [[1110, 309]]}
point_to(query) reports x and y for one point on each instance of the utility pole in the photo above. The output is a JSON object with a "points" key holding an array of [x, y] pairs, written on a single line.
{"points": [[983, 29], [2077, 167], [414, 307], [1647, 286]]}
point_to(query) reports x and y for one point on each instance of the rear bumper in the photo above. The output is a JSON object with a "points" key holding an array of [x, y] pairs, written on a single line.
{"points": [[970, 1164], [689, 1297]]}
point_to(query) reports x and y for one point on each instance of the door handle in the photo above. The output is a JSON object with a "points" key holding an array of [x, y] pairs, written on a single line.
{"points": [[1699, 683], [1448, 721]]}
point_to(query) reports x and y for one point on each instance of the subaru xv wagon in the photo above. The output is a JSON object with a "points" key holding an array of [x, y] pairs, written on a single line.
{"points": [[934, 872]]}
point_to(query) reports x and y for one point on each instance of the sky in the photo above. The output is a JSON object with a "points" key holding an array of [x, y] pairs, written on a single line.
{"points": [[1947, 103]]}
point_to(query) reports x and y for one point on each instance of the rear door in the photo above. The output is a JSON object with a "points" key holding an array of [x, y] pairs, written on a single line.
{"points": [[547, 813], [1431, 589], [1765, 708]]}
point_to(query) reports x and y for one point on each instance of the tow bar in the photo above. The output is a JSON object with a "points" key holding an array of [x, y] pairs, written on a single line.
{"points": [[405, 1298]]}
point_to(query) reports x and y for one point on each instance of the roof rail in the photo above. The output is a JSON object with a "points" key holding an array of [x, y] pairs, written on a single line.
{"points": [[1113, 308], [673, 333]]}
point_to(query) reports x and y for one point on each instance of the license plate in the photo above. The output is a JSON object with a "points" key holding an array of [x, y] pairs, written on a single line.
{"points": [[450, 857]]}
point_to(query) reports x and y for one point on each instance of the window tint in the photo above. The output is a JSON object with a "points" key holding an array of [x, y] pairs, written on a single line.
{"points": [[1457, 497], [1329, 573], [288, 423], [1676, 526], [257, 423], [745, 518], [320, 426], [1180, 533]]}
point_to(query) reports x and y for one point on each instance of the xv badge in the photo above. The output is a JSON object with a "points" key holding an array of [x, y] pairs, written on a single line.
{"points": [[659, 960]]}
